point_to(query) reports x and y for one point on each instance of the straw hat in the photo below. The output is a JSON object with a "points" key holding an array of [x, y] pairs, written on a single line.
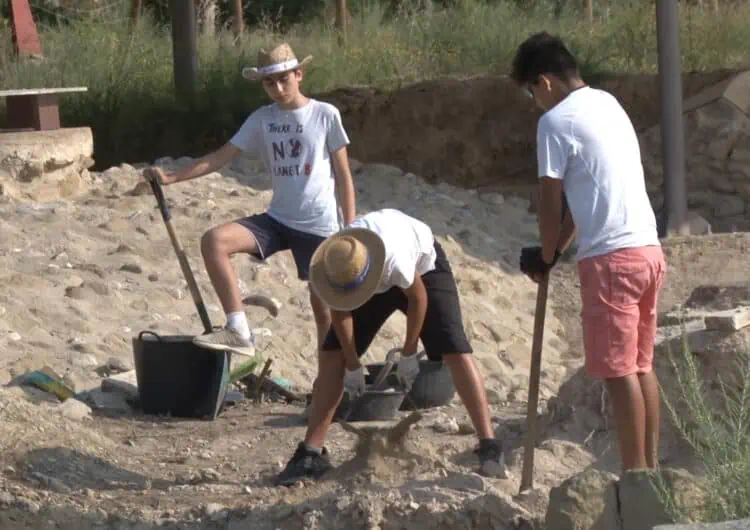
{"points": [[279, 59], [346, 269]]}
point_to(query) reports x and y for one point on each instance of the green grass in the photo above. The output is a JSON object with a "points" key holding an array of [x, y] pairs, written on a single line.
{"points": [[714, 418], [130, 103]]}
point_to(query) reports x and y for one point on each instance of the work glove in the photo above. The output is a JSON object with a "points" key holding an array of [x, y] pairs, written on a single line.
{"points": [[408, 370], [533, 264], [354, 382]]}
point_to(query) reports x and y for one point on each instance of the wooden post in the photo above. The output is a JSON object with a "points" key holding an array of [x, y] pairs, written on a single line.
{"points": [[239, 18], [588, 7], [136, 6], [23, 30], [341, 20], [184, 48]]}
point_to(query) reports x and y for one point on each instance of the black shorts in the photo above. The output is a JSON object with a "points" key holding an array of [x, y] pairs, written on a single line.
{"points": [[443, 329], [273, 236]]}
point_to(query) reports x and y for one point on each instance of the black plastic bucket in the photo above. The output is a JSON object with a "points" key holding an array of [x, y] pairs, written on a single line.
{"points": [[178, 378], [433, 386]]}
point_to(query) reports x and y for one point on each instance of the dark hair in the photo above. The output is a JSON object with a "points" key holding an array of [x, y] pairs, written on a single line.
{"points": [[543, 53]]}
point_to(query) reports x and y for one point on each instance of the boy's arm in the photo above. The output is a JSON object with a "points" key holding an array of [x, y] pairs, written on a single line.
{"points": [[344, 185], [203, 166], [567, 232], [343, 325], [416, 310]]}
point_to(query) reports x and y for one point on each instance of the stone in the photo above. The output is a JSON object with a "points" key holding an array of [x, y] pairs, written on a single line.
{"points": [[642, 493], [738, 524], [119, 365], [722, 184], [733, 319], [125, 383], [587, 500], [727, 206], [46, 165], [75, 410]]}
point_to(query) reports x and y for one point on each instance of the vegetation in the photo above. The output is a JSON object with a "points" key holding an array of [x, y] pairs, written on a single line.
{"points": [[715, 421], [130, 103]]}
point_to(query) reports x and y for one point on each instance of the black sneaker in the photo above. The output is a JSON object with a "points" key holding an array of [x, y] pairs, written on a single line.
{"points": [[304, 464], [491, 459]]}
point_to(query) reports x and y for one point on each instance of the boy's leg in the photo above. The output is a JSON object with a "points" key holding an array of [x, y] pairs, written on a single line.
{"points": [[310, 458], [254, 235], [612, 288], [444, 338], [303, 246], [646, 335], [322, 316]]}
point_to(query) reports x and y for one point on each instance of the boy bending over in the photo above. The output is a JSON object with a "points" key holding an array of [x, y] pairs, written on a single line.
{"points": [[382, 262]]}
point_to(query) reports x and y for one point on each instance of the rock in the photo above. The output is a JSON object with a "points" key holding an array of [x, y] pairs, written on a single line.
{"points": [[125, 383], [73, 409], [587, 500], [118, 365], [642, 493], [214, 511], [46, 165], [719, 297], [132, 267], [733, 319], [727, 206], [52, 483], [739, 524]]}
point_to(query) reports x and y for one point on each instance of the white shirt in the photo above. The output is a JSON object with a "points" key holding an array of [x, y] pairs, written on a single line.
{"points": [[589, 142], [296, 147], [409, 246]]}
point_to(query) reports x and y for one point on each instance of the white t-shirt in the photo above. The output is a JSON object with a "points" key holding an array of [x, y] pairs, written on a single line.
{"points": [[296, 147], [588, 141], [409, 246]]}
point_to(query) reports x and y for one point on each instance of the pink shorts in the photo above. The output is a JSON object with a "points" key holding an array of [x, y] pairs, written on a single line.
{"points": [[619, 293]]}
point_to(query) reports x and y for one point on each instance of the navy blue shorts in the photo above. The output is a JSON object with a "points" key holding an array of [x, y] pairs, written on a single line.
{"points": [[273, 236], [443, 330]]}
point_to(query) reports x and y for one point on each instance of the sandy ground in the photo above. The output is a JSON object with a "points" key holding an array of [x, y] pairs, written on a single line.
{"points": [[80, 278]]}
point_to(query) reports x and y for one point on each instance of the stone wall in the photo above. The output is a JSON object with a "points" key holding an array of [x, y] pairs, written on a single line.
{"points": [[717, 153], [45, 165]]}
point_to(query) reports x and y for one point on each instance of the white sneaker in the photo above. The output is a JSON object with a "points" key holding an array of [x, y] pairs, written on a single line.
{"points": [[225, 339]]}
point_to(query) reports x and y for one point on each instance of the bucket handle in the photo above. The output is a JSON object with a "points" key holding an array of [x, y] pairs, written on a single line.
{"points": [[140, 335]]}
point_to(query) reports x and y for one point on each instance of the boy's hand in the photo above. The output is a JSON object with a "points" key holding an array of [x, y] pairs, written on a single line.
{"points": [[408, 370], [158, 174], [354, 382]]}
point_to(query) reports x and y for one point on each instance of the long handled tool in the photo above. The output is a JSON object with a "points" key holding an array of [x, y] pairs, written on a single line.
{"points": [[184, 265], [527, 474]]}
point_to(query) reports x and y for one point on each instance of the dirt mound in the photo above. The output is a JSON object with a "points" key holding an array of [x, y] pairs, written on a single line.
{"points": [[104, 267], [475, 132]]}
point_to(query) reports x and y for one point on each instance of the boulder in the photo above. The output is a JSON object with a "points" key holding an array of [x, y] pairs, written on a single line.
{"points": [[639, 500], [45, 165], [587, 501]]}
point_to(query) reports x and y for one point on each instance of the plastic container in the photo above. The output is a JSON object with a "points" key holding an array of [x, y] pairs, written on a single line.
{"points": [[178, 378]]}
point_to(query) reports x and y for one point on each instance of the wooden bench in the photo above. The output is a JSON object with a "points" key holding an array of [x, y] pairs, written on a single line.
{"points": [[35, 108]]}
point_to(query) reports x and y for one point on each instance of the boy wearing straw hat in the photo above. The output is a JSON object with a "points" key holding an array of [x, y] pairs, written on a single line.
{"points": [[303, 144], [382, 262]]}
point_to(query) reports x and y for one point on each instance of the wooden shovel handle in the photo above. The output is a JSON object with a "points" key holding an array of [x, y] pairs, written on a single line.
{"points": [[527, 474]]}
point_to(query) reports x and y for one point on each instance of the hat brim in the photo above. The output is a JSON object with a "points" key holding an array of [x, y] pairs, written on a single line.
{"points": [[252, 73], [351, 299]]}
